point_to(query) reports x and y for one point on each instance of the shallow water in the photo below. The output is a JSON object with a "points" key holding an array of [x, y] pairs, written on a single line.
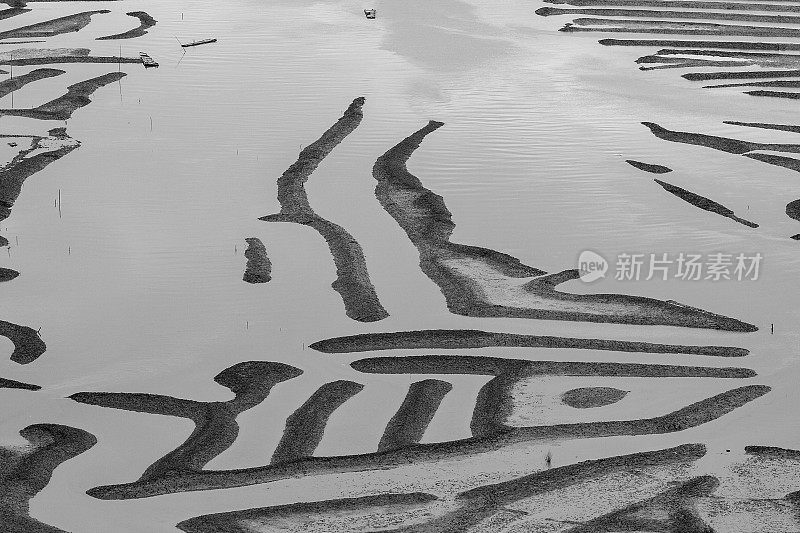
{"points": [[137, 282]]}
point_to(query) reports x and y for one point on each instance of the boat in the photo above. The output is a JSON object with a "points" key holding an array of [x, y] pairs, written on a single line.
{"points": [[370, 13], [147, 61], [196, 43]]}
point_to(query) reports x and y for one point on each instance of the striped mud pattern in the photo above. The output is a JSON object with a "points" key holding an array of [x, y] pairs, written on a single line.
{"points": [[353, 282], [480, 282], [646, 491], [216, 427], [721, 21], [26, 471]]}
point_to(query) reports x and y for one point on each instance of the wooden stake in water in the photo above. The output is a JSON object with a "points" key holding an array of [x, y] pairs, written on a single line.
{"points": [[59, 203]]}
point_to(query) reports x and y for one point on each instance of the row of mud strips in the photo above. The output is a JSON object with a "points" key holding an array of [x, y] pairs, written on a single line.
{"points": [[726, 21], [26, 471], [638, 488]]}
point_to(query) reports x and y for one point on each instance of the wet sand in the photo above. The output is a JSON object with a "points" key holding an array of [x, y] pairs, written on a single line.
{"points": [[259, 267], [24, 165], [469, 338], [62, 107], [13, 84], [704, 203], [304, 427], [58, 26], [480, 282], [145, 21], [353, 282], [28, 345], [13, 384], [649, 167], [591, 397], [28, 471]]}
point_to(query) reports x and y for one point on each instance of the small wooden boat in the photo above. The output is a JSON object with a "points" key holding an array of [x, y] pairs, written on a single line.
{"points": [[147, 61], [196, 43], [370, 13]]}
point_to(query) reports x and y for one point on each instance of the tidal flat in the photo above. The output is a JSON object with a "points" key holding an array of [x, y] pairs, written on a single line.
{"points": [[422, 345]]}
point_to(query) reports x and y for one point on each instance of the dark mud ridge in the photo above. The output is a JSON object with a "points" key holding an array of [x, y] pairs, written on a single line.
{"points": [[481, 282], [7, 274], [12, 12], [42, 56], [27, 471], [773, 452], [470, 338], [28, 346], [729, 45], [589, 397], [259, 267], [666, 27], [353, 282], [763, 125], [13, 384], [732, 146], [216, 427], [741, 75], [775, 94], [25, 165], [472, 508], [704, 203], [689, 4], [793, 209], [68, 24], [664, 14], [145, 21], [62, 107], [13, 84], [649, 167]]}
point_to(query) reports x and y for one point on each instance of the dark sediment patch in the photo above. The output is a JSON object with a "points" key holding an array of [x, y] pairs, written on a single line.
{"points": [[484, 283], [793, 210], [683, 15], [737, 54], [304, 428], [13, 84], [751, 74], [13, 384], [215, 422], [470, 338], [589, 397], [28, 345], [259, 267], [686, 4], [353, 282], [773, 83], [230, 521], [62, 107], [12, 12], [772, 452], [725, 144], [762, 125], [181, 470], [692, 63], [145, 21], [409, 423], [24, 165], [26, 472], [68, 24], [795, 237], [3, 241], [728, 45], [7, 274], [649, 167], [676, 28], [49, 60], [777, 160], [775, 94], [704, 203], [674, 510]]}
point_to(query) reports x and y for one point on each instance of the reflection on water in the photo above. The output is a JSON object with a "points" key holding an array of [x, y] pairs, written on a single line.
{"points": [[137, 285]]}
